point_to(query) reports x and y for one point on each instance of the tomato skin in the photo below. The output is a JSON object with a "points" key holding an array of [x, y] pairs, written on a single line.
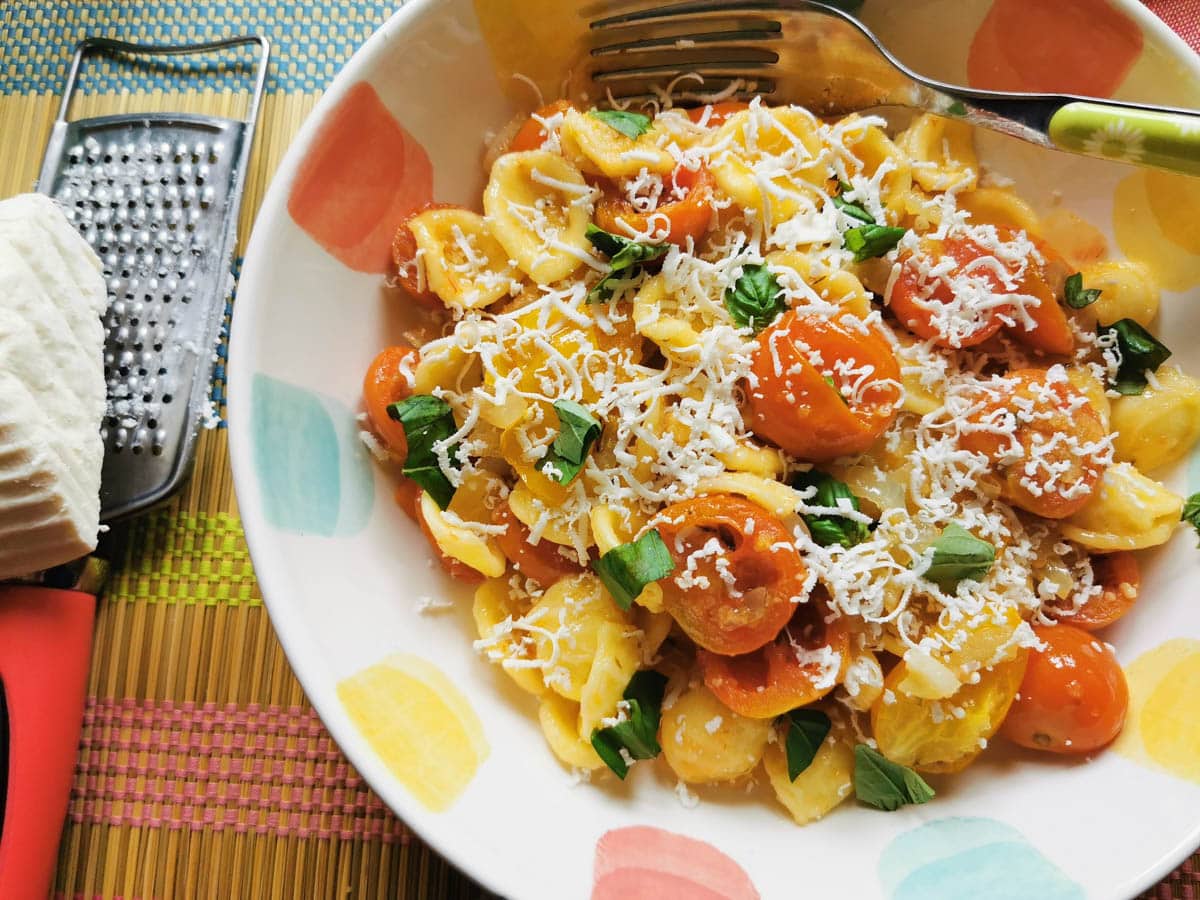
{"points": [[532, 136], [383, 385], [772, 680], [1073, 698], [905, 304], [540, 561], [799, 410], [1070, 414], [404, 255], [457, 570], [719, 112], [1051, 331], [768, 578], [1119, 578], [408, 496], [689, 217]]}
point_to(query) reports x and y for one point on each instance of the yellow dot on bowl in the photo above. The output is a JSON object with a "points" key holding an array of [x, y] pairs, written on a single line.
{"points": [[420, 724], [1155, 222], [1161, 729]]}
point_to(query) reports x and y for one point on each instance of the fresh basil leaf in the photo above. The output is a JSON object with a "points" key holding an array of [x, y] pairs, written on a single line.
{"points": [[427, 421], [631, 124], [638, 734], [807, 729], [827, 529], [627, 568], [755, 300], [886, 785], [625, 259], [853, 210], [1075, 294], [869, 241], [958, 554], [957, 108], [1140, 352], [578, 430], [1191, 512]]}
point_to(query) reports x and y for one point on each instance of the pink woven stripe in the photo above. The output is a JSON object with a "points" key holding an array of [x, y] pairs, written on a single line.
{"points": [[261, 769], [1182, 15]]}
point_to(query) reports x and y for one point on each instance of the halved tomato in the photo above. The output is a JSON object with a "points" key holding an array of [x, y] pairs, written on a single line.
{"points": [[533, 134], [541, 560], [802, 665], [688, 216], [1118, 577], [383, 385], [737, 575]]}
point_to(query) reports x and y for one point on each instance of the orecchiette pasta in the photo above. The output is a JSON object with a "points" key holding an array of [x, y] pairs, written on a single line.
{"points": [[464, 264], [559, 718], [566, 624], [1160, 425], [459, 542], [827, 781], [1127, 512], [599, 149], [538, 207], [618, 656], [1127, 291], [704, 741], [942, 152]]}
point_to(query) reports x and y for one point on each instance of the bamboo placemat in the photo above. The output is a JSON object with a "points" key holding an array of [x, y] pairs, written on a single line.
{"points": [[203, 770]]}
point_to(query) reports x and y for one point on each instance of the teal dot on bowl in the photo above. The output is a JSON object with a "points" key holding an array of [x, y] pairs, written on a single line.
{"points": [[314, 475], [981, 859]]}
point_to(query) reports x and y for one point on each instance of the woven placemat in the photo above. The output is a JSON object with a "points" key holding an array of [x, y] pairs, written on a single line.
{"points": [[203, 770]]}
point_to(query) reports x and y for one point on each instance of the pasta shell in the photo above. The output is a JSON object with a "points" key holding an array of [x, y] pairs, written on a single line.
{"points": [[464, 264]]}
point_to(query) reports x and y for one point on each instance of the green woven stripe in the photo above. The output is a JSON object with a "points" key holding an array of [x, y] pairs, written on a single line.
{"points": [[172, 557]]}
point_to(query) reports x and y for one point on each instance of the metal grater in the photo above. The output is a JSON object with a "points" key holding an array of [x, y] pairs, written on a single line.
{"points": [[157, 196]]}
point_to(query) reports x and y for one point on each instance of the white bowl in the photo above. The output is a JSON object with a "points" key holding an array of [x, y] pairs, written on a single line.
{"points": [[342, 568]]}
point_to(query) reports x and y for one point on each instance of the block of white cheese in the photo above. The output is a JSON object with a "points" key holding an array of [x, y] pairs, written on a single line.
{"points": [[52, 296]]}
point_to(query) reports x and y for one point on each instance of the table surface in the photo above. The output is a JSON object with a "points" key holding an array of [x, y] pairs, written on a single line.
{"points": [[203, 770]]}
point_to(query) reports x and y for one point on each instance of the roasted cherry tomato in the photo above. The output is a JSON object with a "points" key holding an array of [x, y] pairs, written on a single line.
{"points": [[457, 570], [1073, 698], [735, 584], [800, 666], [404, 255], [1050, 331], [1118, 577], [383, 385], [717, 112], [407, 495], [540, 561], [819, 413], [533, 135], [685, 205], [1044, 435]]}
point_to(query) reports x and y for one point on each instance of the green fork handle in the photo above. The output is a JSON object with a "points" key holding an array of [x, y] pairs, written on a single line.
{"points": [[1144, 137]]}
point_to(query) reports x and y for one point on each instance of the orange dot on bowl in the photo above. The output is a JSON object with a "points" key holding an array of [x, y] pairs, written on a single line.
{"points": [[644, 863], [1072, 46], [363, 174]]}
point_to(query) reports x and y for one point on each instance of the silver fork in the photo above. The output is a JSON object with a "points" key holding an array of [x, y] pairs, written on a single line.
{"points": [[807, 53]]}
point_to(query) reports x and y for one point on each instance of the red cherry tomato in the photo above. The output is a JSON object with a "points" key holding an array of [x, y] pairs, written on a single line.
{"points": [[540, 561], [383, 385], [1073, 698], [1119, 578], [688, 216], [793, 403], [735, 584], [791, 671], [1050, 478], [717, 112], [533, 134]]}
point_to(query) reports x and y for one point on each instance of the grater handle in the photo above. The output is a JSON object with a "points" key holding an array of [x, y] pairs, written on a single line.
{"points": [[114, 46], [45, 643]]}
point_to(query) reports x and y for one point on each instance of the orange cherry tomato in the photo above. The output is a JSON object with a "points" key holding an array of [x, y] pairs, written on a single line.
{"points": [[540, 561], [735, 584], [963, 328], [791, 402], [1119, 578], [775, 678], [717, 112], [383, 385], [1052, 426], [1050, 331], [689, 215], [407, 495], [1073, 698], [404, 255], [457, 570], [533, 134]]}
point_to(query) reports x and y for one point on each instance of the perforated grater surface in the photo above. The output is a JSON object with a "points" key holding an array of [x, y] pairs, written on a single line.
{"points": [[157, 196]]}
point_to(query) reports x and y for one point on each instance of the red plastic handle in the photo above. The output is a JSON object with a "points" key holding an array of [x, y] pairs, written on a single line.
{"points": [[45, 643]]}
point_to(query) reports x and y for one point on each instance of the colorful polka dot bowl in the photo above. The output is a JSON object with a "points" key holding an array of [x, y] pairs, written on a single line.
{"points": [[447, 740]]}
